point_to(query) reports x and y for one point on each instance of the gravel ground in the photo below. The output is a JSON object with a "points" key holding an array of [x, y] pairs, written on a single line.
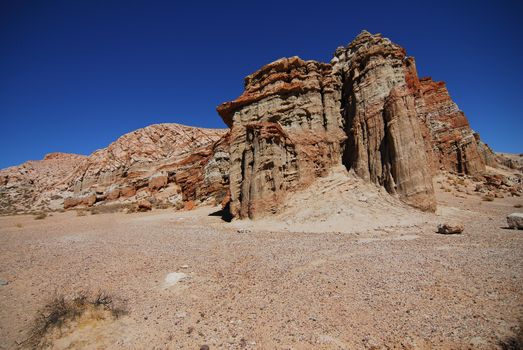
{"points": [[399, 287]]}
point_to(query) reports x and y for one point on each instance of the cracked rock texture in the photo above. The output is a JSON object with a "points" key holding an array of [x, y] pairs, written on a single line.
{"points": [[167, 164]]}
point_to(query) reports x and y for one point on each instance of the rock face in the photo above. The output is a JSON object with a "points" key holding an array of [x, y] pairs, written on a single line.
{"points": [[296, 119], [165, 164], [367, 110], [37, 185], [456, 147], [165, 161], [285, 132], [385, 141]]}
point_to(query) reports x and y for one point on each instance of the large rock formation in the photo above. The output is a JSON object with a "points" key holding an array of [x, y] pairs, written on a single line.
{"points": [[367, 110], [385, 137], [171, 163], [285, 132], [168, 164]]}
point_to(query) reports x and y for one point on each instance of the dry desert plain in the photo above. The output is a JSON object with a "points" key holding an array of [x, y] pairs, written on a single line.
{"points": [[245, 285]]}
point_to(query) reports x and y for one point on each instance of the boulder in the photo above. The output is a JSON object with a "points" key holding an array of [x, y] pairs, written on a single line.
{"points": [[127, 191], [144, 205], [515, 221], [449, 229], [158, 181]]}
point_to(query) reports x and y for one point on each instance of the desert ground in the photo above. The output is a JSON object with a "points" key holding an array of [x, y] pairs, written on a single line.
{"points": [[245, 285]]}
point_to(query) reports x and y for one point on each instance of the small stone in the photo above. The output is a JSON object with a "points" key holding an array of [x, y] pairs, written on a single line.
{"points": [[144, 205], [515, 221], [3, 282], [204, 347], [448, 229]]}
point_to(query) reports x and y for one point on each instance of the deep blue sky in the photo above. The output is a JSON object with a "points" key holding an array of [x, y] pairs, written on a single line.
{"points": [[76, 75]]}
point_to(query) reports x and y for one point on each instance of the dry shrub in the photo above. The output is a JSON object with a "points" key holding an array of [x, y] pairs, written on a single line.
{"points": [[518, 205], [19, 225], [62, 311], [40, 216], [81, 213], [111, 208], [487, 198], [162, 205]]}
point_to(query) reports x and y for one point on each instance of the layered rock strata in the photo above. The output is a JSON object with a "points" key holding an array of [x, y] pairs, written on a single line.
{"points": [[285, 132], [37, 185], [385, 141], [367, 110], [166, 164]]}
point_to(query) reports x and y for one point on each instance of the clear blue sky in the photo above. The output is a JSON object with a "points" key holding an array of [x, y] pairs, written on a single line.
{"points": [[76, 75]]}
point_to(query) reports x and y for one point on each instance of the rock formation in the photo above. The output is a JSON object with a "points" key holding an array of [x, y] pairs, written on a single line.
{"points": [[385, 137], [166, 164], [37, 185], [367, 110], [285, 132]]}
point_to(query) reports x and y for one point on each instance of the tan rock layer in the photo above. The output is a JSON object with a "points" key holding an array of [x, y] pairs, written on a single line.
{"points": [[285, 133]]}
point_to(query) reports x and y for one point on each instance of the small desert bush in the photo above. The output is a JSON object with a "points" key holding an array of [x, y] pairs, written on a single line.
{"points": [[518, 205], [110, 208], [19, 225], [81, 213], [487, 198], [40, 216], [162, 205], [62, 311]]}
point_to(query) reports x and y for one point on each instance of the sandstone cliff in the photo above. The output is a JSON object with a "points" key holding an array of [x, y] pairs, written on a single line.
{"points": [[367, 110], [285, 132]]}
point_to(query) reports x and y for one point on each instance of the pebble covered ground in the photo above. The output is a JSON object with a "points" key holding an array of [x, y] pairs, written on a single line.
{"points": [[189, 279]]}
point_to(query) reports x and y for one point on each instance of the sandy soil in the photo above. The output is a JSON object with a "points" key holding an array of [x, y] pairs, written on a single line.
{"points": [[385, 285]]}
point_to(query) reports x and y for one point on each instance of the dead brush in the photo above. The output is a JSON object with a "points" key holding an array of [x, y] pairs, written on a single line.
{"points": [[487, 198], [110, 208], [518, 205], [62, 311], [40, 216], [81, 213]]}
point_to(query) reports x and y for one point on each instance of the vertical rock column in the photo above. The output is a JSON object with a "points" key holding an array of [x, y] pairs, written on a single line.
{"points": [[385, 142]]}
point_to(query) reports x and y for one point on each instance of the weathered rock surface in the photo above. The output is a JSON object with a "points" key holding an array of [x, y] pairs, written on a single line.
{"points": [[285, 132], [367, 110], [385, 141], [166, 161], [296, 119], [37, 185], [515, 221], [450, 229], [455, 145], [171, 163]]}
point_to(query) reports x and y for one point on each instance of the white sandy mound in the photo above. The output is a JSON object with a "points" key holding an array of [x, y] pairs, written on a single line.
{"points": [[339, 202]]}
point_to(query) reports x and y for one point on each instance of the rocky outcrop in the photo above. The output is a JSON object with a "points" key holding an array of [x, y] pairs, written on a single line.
{"points": [[455, 145], [163, 161], [165, 164], [37, 185], [285, 132], [385, 138], [296, 119]]}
